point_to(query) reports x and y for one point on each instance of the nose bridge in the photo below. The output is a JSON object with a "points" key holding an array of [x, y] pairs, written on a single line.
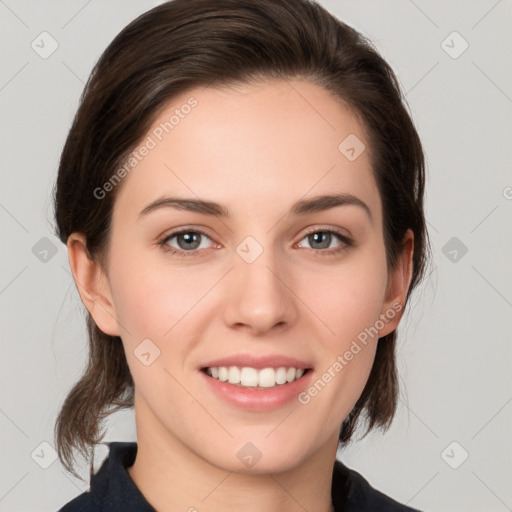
{"points": [[258, 296]]}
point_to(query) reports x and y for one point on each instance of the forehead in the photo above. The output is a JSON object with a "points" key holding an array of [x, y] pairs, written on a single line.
{"points": [[252, 146]]}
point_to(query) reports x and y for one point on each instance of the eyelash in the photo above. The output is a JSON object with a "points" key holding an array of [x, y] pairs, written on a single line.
{"points": [[346, 243]]}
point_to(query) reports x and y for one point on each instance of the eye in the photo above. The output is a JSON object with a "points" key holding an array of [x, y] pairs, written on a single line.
{"points": [[321, 240], [186, 240]]}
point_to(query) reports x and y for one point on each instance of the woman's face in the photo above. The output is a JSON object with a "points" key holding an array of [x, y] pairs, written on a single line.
{"points": [[281, 279]]}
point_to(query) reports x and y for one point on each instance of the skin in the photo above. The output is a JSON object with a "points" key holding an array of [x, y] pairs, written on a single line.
{"points": [[256, 149]]}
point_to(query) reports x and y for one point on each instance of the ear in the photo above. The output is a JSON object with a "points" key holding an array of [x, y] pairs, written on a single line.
{"points": [[92, 284], [398, 284]]}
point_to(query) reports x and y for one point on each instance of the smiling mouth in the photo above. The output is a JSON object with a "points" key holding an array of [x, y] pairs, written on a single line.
{"points": [[253, 378]]}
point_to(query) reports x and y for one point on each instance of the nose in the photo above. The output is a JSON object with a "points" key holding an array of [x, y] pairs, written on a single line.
{"points": [[259, 296]]}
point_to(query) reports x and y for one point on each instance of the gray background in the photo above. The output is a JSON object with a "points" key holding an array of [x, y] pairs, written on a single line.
{"points": [[454, 348]]}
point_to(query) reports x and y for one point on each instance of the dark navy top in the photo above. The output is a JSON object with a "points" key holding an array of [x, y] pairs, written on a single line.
{"points": [[112, 489]]}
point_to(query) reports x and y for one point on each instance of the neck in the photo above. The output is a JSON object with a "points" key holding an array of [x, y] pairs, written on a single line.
{"points": [[173, 477]]}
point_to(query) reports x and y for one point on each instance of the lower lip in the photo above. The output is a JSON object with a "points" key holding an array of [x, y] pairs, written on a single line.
{"points": [[264, 399]]}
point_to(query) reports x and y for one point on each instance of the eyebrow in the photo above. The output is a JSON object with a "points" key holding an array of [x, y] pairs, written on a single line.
{"points": [[301, 207]]}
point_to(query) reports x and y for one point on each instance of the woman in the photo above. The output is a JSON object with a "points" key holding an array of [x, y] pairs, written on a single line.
{"points": [[241, 195]]}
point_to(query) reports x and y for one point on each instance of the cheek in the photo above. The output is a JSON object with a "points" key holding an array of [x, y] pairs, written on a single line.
{"points": [[348, 300], [151, 298], [155, 302]]}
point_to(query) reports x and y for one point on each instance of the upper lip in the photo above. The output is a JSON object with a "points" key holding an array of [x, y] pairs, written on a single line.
{"points": [[259, 362]]}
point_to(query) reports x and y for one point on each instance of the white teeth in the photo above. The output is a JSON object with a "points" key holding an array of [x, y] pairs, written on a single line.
{"points": [[290, 374], [223, 374], [267, 378], [281, 375], [251, 377], [233, 375]]}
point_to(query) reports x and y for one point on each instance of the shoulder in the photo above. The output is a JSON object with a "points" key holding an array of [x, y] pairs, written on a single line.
{"points": [[82, 503], [111, 487], [358, 495]]}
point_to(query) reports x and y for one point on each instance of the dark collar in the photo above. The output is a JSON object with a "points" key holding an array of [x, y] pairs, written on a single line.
{"points": [[112, 488]]}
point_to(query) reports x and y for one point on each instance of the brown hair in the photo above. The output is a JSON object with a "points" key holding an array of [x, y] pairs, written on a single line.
{"points": [[188, 43]]}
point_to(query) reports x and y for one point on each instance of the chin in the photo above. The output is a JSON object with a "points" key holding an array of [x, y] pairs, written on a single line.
{"points": [[259, 457]]}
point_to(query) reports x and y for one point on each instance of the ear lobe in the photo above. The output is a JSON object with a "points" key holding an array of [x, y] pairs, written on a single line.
{"points": [[398, 285], [92, 285]]}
